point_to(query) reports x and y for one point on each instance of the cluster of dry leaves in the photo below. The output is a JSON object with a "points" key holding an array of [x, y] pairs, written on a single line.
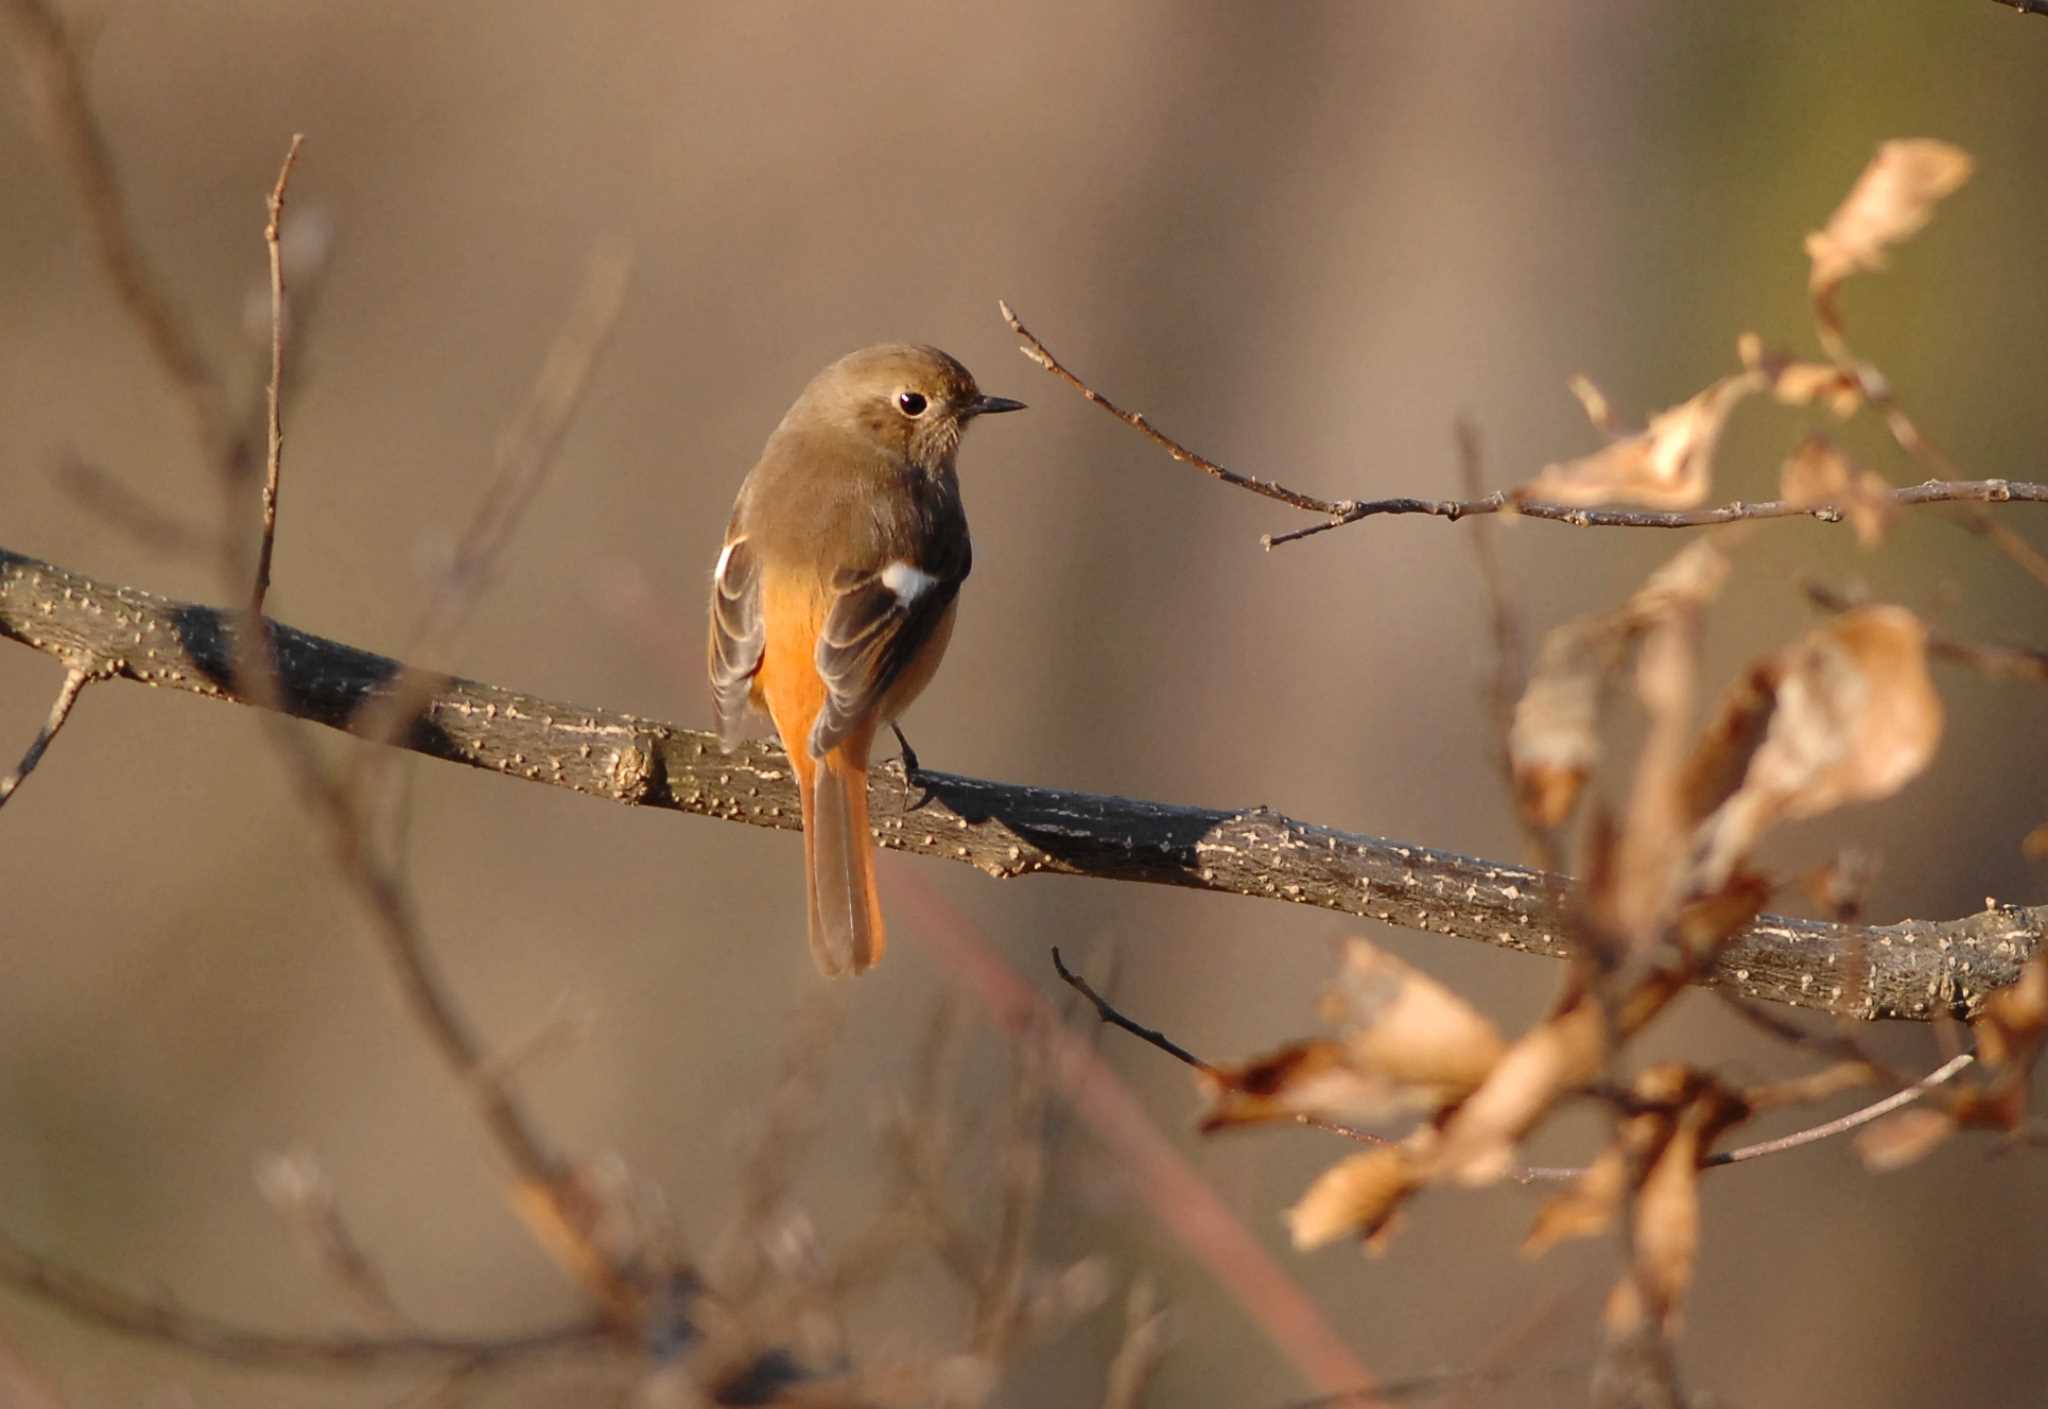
{"points": [[1846, 713]]}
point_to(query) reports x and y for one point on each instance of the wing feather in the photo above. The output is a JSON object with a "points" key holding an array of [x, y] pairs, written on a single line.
{"points": [[737, 636]]}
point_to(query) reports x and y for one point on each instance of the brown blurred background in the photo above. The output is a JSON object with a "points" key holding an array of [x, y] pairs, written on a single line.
{"points": [[1303, 238]]}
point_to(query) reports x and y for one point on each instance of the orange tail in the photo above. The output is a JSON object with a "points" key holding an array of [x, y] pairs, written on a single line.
{"points": [[839, 866]]}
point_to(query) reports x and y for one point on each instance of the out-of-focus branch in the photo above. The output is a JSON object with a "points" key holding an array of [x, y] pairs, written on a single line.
{"points": [[1915, 969], [64, 115], [102, 1304]]}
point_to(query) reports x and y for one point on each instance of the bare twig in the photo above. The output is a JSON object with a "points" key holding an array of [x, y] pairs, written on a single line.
{"points": [[1107, 1012], [75, 681], [1829, 1129], [298, 1189], [1039, 353], [273, 461], [87, 1299], [1952, 491], [57, 97], [114, 504], [1916, 968]]}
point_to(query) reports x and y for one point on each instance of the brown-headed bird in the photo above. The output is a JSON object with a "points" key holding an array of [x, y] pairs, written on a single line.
{"points": [[834, 596]]}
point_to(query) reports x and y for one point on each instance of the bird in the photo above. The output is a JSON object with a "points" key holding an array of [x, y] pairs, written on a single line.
{"points": [[834, 596]]}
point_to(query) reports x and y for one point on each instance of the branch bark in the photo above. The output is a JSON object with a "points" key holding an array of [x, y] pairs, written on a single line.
{"points": [[1916, 969]]}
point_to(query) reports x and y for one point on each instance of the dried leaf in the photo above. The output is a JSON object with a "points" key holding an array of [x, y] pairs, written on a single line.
{"points": [[1554, 742], [1818, 473], [1900, 1140], [1890, 202], [1356, 1197], [1668, 466], [1799, 383], [1401, 1024], [1553, 1058], [1847, 714], [1585, 1208], [1408, 1046], [1303, 1078], [2034, 845], [2010, 1030], [1594, 402]]}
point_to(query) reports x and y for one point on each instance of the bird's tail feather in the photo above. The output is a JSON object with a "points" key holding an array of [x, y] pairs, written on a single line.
{"points": [[839, 866]]}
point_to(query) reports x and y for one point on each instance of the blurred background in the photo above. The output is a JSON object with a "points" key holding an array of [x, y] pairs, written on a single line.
{"points": [[1303, 238]]}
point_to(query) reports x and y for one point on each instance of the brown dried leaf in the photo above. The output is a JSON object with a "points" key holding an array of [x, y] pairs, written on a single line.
{"points": [[1799, 383], [1890, 202], [1553, 1058], [2034, 845], [1900, 1140], [1594, 402], [1554, 742], [1303, 1078], [1668, 466], [1354, 1198], [1641, 885], [1818, 473], [1585, 1208], [1846, 714], [2010, 1031], [1400, 1024], [1408, 1046]]}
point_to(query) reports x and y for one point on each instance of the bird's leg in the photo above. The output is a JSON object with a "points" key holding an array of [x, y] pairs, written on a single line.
{"points": [[911, 771], [910, 768]]}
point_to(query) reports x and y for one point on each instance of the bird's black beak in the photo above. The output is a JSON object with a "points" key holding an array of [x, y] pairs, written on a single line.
{"points": [[989, 405]]}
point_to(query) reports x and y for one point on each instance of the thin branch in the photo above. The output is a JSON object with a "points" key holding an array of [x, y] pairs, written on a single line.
{"points": [[75, 681], [1339, 512], [1039, 353], [1108, 1013], [295, 1186], [89, 1300], [273, 461], [1933, 491], [1916, 969], [1832, 1128]]}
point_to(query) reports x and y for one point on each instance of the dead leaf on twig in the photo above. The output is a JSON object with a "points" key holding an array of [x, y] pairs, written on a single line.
{"points": [[1355, 1198], [1668, 466], [1891, 201], [1846, 714], [1554, 742], [1796, 382], [1407, 1046]]}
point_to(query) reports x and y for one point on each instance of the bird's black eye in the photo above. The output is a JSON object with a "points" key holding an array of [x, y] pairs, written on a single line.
{"points": [[911, 403]]}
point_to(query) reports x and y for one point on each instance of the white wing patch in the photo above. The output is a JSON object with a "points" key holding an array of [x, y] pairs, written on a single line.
{"points": [[724, 557], [907, 582]]}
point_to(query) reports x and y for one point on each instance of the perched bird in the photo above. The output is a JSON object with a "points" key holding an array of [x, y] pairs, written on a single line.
{"points": [[834, 595]]}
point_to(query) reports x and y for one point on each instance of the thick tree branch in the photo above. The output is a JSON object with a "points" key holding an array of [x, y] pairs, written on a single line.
{"points": [[1916, 969]]}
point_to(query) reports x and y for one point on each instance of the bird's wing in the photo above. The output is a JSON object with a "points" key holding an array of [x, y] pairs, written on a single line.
{"points": [[874, 627], [737, 636]]}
